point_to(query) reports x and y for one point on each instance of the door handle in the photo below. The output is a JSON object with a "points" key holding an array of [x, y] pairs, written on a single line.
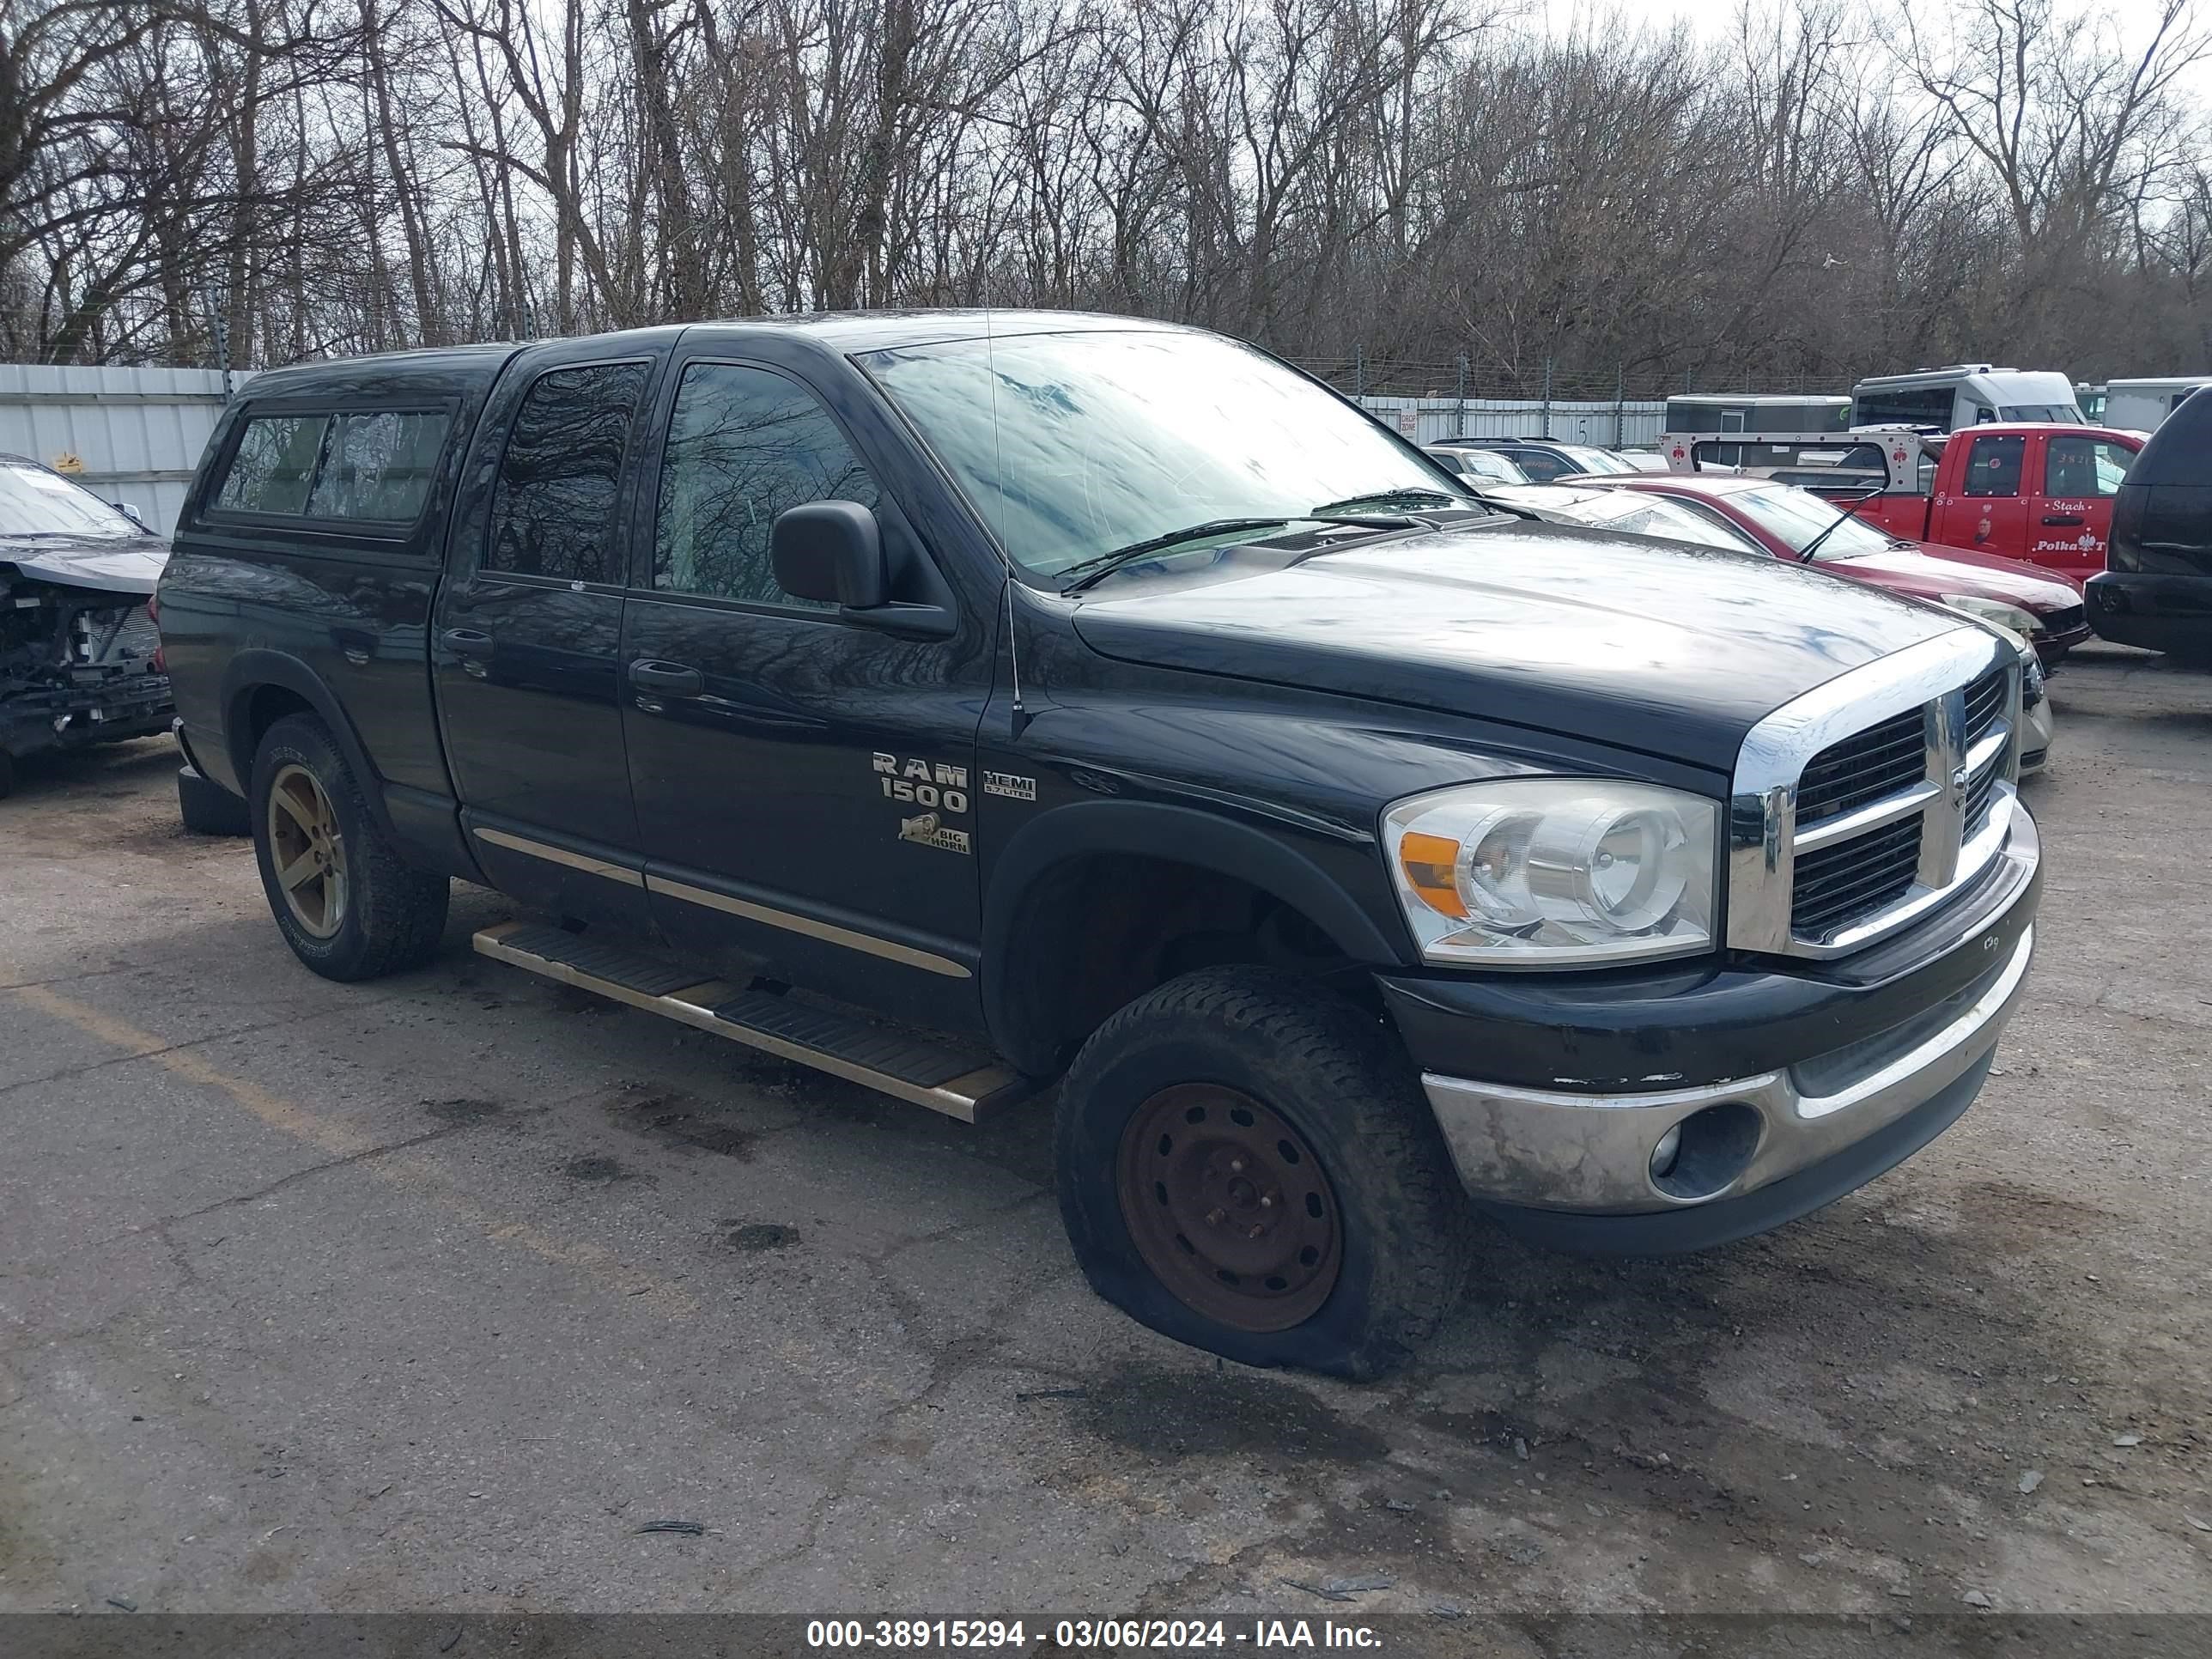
{"points": [[678, 679], [2063, 517], [465, 641]]}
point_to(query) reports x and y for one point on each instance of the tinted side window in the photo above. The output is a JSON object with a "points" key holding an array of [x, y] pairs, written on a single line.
{"points": [[1993, 467], [2084, 466], [378, 465], [1541, 465], [274, 466], [744, 445], [1930, 407], [552, 514]]}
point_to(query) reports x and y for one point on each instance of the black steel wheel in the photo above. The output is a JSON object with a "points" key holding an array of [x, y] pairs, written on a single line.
{"points": [[1247, 1163], [1228, 1207]]}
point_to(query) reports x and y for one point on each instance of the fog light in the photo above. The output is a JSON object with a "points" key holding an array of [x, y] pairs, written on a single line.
{"points": [[1701, 1157]]}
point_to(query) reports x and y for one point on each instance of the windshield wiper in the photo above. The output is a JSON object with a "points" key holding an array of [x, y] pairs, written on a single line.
{"points": [[1805, 555], [1415, 497], [1105, 564]]}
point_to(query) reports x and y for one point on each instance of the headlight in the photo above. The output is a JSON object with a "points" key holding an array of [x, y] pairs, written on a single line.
{"points": [[2031, 679], [1536, 873], [2021, 622]]}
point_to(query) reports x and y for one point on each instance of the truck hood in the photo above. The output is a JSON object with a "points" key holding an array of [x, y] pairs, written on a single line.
{"points": [[130, 566], [1673, 650]]}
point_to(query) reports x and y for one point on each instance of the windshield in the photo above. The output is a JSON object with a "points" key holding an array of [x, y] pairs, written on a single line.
{"points": [[1651, 516], [36, 503], [1485, 465], [2062, 414], [1074, 444], [1795, 517], [1597, 460]]}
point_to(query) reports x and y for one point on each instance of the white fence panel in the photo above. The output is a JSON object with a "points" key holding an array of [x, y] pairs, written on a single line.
{"points": [[134, 435], [1608, 425]]}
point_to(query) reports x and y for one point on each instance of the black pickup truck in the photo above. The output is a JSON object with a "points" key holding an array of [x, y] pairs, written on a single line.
{"points": [[960, 703]]}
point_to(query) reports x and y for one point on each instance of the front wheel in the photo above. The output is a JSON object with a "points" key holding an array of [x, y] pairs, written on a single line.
{"points": [[1246, 1163], [347, 904]]}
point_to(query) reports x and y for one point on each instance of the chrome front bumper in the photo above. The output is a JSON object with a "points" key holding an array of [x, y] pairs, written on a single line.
{"points": [[1593, 1153]]}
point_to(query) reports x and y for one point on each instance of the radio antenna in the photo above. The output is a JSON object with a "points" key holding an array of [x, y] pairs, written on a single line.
{"points": [[1020, 717]]}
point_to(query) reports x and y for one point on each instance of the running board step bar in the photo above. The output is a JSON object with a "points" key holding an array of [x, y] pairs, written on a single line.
{"points": [[911, 1068]]}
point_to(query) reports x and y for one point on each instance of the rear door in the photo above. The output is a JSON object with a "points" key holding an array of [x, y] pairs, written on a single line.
{"points": [[2072, 519], [527, 641], [805, 784], [1988, 511]]}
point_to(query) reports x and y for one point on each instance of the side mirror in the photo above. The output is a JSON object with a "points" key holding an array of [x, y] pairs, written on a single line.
{"points": [[133, 514], [831, 552]]}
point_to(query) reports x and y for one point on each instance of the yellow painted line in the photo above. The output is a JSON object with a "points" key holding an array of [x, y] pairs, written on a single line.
{"points": [[340, 1139]]}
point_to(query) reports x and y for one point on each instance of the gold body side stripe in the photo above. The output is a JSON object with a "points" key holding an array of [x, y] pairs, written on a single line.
{"points": [[928, 960]]}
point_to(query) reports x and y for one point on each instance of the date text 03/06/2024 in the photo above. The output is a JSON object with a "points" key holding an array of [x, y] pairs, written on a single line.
{"points": [[1107, 1635]]}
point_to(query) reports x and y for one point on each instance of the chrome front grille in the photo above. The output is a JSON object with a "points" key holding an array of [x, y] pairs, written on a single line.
{"points": [[1864, 767], [1868, 802], [1833, 884], [1985, 702]]}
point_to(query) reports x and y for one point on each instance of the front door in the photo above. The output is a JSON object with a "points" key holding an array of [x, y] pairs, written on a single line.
{"points": [[1989, 514], [527, 639], [805, 784], [2071, 520]]}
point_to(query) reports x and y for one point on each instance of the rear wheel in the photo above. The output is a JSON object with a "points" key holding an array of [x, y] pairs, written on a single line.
{"points": [[1246, 1163], [347, 904]]}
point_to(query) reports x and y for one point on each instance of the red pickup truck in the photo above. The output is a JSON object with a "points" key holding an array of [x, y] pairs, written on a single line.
{"points": [[2030, 491]]}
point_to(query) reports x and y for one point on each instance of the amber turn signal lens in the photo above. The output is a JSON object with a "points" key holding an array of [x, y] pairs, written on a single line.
{"points": [[1428, 861]]}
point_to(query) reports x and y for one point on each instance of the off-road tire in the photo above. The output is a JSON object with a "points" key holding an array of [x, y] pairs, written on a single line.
{"points": [[209, 809], [394, 915], [1339, 1078]]}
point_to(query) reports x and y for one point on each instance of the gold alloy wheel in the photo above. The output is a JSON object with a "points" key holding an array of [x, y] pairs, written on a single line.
{"points": [[307, 851]]}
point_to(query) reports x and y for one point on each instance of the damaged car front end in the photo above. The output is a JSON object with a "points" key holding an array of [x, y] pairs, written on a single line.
{"points": [[80, 658]]}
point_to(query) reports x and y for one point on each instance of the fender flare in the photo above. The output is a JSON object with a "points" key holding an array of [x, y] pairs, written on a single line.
{"points": [[250, 672], [1179, 834]]}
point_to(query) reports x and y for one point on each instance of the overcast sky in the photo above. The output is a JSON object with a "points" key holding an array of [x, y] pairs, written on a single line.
{"points": [[1713, 19]]}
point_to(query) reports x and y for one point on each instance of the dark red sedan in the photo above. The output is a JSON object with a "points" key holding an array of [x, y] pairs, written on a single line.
{"points": [[2043, 606]]}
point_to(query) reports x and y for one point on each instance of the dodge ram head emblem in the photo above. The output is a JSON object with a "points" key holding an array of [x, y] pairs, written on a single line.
{"points": [[926, 830]]}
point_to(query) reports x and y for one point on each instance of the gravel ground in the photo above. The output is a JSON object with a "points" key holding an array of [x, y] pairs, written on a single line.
{"points": [[430, 1294]]}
